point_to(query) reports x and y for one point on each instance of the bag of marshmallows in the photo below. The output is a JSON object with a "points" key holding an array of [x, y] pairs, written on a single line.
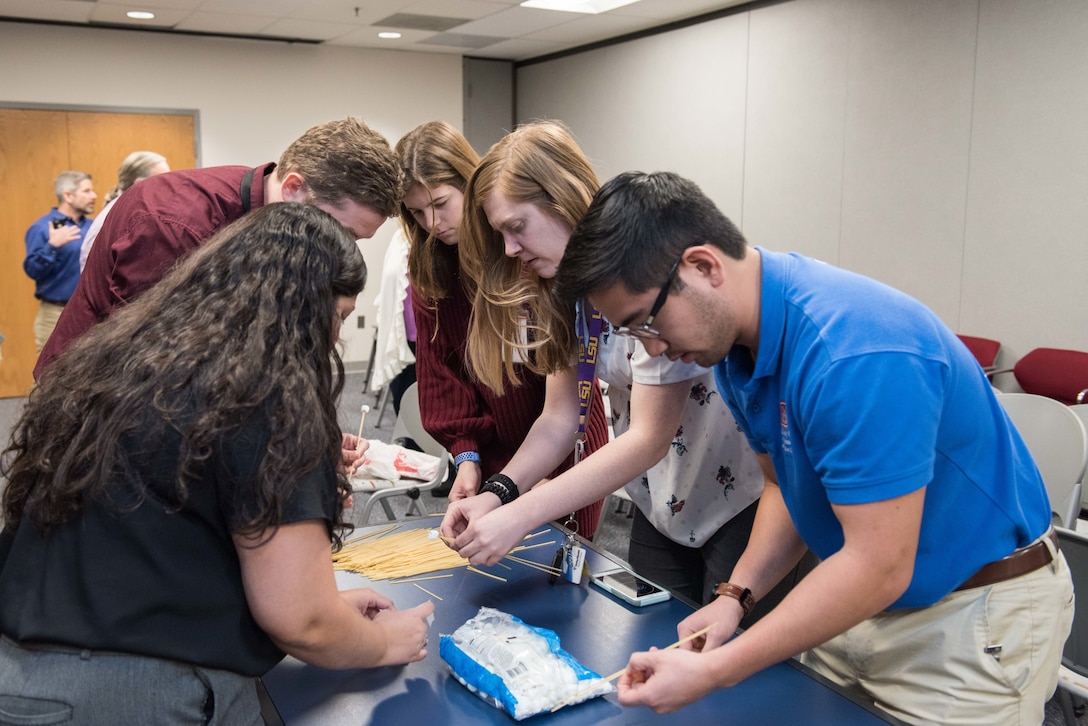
{"points": [[517, 667]]}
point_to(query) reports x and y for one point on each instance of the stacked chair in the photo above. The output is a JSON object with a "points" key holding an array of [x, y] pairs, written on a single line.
{"points": [[1059, 374], [984, 350], [1055, 402], [1053, 372], [1058, 442]]}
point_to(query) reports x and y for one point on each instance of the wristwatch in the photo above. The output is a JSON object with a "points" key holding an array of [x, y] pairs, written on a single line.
{"points": [[741, 594], [502, 487]]}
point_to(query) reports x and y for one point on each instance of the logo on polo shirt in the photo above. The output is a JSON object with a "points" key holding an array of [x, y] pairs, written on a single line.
{"points": [[784, 422]]}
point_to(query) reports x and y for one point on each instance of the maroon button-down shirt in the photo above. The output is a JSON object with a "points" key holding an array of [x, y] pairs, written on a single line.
{"points": [[151, 226]]}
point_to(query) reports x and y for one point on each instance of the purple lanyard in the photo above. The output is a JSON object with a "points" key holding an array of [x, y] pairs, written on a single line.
{"points": [[589, 335]]}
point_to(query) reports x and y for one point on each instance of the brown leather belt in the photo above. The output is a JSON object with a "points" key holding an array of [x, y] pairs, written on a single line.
{"points": [[1020, 562]]}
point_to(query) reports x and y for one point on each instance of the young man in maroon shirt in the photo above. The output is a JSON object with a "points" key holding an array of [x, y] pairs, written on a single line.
{"points": [[342, 167]]}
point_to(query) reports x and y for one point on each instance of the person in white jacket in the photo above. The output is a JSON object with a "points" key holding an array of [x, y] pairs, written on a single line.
{"points": [[394, 354]]}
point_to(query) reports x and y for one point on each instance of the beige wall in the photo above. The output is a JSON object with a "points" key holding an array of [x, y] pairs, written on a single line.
{"points": [[253, 97], [937, 145]]}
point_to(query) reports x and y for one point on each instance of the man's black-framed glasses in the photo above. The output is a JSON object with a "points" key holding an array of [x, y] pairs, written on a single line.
{"points": [[646, 331]]}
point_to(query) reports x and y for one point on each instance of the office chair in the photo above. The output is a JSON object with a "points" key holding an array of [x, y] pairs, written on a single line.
{"points": [[1053, 372], [1057, 441], [1073, 674], [409, 424], [1081, 410]]}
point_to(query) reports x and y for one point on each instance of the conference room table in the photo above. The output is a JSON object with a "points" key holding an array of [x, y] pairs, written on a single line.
{"points": [[596, 628]]}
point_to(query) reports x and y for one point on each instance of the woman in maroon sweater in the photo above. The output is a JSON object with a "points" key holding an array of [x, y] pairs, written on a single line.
{"points": [[483, 427]]}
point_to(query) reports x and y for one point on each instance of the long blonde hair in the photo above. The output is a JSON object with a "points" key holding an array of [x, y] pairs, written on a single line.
{"points": [[516, 317], [432, 154], [136, 166]]}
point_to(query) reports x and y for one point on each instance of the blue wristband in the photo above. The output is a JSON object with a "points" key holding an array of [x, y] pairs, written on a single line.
{"points": [[466, 456]]}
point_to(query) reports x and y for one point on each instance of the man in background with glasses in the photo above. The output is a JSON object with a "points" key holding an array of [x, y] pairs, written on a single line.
{"points": [[940, 595]]}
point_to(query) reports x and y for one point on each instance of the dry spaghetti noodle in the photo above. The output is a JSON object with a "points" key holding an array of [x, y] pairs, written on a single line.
{"points": [[412, 553], [398, 555]]}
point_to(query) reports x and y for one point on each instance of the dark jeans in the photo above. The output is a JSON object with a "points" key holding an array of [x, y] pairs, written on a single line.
{"points": [[400, 383], [693, 572]]}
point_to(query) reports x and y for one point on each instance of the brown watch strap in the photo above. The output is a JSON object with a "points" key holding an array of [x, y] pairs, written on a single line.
{"points": [[741, 594]]}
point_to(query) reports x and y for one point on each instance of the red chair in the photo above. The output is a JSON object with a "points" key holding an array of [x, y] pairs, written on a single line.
{"points": [[1053, 372], [984, 350]]}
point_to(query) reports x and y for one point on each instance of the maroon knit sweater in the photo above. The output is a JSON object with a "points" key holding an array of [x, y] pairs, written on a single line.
{"points": [[465, 416]]}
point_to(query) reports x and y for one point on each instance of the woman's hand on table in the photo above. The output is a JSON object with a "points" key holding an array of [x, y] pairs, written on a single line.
{"points": [[467, 482], [367, 602], [405, 633]]}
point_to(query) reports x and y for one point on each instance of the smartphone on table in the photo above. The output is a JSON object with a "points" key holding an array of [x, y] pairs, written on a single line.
{"points": [[629, 587]]}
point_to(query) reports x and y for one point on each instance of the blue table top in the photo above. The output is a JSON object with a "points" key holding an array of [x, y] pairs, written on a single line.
{"points": [[598, 629]]}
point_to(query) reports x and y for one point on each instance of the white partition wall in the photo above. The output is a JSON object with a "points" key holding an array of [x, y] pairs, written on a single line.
{"points": [[654, 104], [905, 162], [1026, 248], [937, 145], [793, 174]]}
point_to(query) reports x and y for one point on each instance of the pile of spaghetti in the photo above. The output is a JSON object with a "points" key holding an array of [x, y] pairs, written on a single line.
{"points": [[418, 552], [405, 554]]}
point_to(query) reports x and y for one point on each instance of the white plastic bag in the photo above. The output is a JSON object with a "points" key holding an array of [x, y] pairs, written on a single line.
{"points": [[517, 667], [392, 462]]}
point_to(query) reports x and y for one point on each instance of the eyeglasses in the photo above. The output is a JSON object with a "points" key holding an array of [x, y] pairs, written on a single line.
{"points": [[646, 331]]}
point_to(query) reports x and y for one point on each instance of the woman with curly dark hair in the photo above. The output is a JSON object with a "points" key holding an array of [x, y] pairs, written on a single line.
{"points": [[173, 489]]}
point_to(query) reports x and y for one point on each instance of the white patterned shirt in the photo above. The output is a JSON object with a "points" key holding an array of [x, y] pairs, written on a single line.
{"points": [[710, 473]]}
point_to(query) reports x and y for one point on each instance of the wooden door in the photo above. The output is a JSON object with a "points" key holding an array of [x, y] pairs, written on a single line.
{"points": [[35, 146]]}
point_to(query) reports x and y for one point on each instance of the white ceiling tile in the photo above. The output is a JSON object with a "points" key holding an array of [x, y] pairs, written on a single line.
{"points": [[351, 12], [514, 22], [666, 10], [231, 23], [468, 9], [590, 29], [256, 7]]}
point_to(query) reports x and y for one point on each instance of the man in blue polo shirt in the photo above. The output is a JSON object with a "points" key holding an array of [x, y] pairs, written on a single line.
{"points": [[52, 249], [940, 596]]}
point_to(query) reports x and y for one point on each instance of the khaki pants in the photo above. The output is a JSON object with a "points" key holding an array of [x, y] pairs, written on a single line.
{"points": [[45, 321], [984, 656]]}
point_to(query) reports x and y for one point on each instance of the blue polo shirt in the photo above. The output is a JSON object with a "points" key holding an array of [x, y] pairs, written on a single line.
{"points": [[860, 394], [54, 270]]}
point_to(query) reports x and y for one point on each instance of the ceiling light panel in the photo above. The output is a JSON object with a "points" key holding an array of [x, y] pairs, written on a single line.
{"points": [[591, 7]]}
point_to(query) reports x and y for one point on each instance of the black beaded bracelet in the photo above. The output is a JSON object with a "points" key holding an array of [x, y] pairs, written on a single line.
{"points": [[501, 486]]}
